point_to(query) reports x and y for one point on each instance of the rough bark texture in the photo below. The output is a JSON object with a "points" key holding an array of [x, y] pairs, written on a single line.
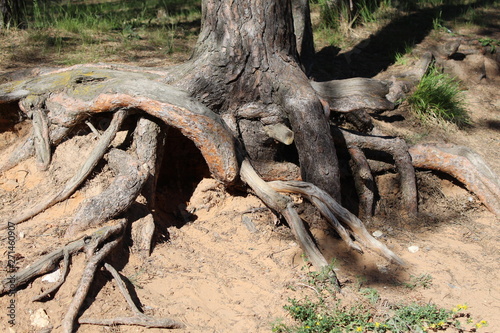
{"points": [[246, 54]]}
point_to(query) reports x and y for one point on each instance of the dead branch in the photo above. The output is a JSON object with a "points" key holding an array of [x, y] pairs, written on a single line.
{"points": [[145, 321]]}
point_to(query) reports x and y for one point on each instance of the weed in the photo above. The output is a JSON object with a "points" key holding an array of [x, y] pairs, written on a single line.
{"points": [[439, 97], [371, 294], [422, 280], [490, 42]]}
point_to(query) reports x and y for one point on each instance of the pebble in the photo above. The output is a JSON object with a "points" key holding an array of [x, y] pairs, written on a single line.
{"points": [[377, 233], [52, 277], [40, 319], [413, 249]]}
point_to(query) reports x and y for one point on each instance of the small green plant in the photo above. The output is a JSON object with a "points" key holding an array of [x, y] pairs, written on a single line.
{"points": [[422, 280], [439, 96], [371, 294], [325, 313], [490, 42]]}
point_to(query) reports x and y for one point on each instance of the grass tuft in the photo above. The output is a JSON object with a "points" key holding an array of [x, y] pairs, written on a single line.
{"points": [[438, 97]]}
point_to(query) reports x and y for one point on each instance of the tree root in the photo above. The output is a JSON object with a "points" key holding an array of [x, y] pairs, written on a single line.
{"points": [[49, 262], [465, 166], [81, 175], [121, 193], [139, 318], [26, 148], [59, 283], [397, 148], [283, 206], [41, 138], [97, 256], [364, 182], [328, 206]]}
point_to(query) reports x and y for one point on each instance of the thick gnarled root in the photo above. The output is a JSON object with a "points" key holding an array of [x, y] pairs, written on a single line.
{"points": [[465, 166], [397, 148]]}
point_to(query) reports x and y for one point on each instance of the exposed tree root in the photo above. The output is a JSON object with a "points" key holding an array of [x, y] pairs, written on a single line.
{"points": [[139, 318], [326, 203], [59, 283], [464, 165], [121, 193], [49, 262], [398, 149], [97, 255], [149, 140], [364, 182], [26, 148], [283, 206], [42, 140], [81, 175]]}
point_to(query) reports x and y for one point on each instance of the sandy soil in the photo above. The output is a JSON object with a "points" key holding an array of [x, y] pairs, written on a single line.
{"points": [[231, 266]]}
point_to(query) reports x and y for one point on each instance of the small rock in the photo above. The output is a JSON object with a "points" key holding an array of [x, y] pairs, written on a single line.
{"points": [[22, 234], [52, 277], [377, 233], [413, 249], [40, 319], [383, 269]]}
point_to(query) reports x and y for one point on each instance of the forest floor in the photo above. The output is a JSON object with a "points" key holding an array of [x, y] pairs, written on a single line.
{"points": [[230, 266]]}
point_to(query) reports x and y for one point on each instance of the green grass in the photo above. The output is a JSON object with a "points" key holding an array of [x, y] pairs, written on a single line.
{"points": [[325, 312], [438, 97], [67, 32]]}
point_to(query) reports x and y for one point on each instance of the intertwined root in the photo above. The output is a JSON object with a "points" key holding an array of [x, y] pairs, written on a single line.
{"points": [[58, 101]]}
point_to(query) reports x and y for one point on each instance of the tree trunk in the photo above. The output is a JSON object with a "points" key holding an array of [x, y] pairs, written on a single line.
{"points": [[246, 68]]}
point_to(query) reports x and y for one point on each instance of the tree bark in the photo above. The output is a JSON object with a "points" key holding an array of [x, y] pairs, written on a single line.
{"points": [[246, 57]]}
